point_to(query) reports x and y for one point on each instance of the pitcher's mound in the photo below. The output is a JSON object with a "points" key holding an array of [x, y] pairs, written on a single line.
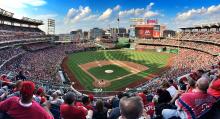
{"points": [[109, 71], [101, 83]]}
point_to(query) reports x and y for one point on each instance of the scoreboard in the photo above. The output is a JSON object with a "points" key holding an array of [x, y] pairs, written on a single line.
{"points": [[148, 31]]}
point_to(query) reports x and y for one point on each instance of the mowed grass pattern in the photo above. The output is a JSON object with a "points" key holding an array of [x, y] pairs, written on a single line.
{"points": [[99, 72], [153, 60]]}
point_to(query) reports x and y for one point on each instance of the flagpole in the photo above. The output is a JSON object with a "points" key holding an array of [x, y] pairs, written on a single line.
{"points": [[118, 24]]}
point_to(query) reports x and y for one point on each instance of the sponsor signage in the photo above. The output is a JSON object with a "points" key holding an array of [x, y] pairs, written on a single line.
{"points": [[152, 21], [145, 32]]}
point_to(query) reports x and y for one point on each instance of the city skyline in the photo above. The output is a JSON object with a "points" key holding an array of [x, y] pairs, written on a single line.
{"points": [[86, 14]]}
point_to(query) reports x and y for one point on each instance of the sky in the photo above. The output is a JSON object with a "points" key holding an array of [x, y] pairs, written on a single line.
{"points": [[86, 14]]}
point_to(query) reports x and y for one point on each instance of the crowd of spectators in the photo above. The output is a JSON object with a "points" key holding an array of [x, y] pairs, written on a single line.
{"points": [[184, 63], [192, 96], [14, 33], [43, 62], [211, 36], [9, 52], [38, 46], [210, 48]]}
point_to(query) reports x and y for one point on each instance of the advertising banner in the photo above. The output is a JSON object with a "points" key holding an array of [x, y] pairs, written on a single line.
{"points": [[156, 34], [144, 32]]}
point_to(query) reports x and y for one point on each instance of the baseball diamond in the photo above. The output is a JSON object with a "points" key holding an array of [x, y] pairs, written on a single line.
{"points": [[129, 67]]}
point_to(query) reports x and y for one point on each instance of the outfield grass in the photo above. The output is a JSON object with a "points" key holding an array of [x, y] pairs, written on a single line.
{"points": [[117, 72], [153, 60]]}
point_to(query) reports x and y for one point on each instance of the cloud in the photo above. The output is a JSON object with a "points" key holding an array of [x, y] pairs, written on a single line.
{"points": [[193, 13], [90, 17], [149, 6], [75, 18], [75, 15], [213, 9], [35, 2], [21, 3], [21, 7], [199, 16], [150, 14], [106, 14], [140, 12], [45, 16], [117, 7], [133, 11]]}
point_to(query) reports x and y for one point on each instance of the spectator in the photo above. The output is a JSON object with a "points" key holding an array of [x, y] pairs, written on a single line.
{"points": [[163, 96], [5, 80], [24, 107], [114, 113], [131, 108], [91, 97], [163, 101], [38, 97], [69, 111], [20, 76], [3, 92], [191, 85], [86, 103], [182, 84], [214, 88], [100, 111], [115, 100], [150, 106], [170, 88], [173, 84], [16, 91], [143, 98], [56, 100], [192, 105]]}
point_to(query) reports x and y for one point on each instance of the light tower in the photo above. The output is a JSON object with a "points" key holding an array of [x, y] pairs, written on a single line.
{"points": [[51, 27], [118, 20]]}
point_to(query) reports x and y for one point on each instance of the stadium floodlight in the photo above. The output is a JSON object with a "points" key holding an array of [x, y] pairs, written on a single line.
{"points": [[8, 14], [2, 11]]}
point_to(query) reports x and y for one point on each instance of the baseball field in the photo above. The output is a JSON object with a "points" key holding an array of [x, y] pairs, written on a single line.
{"points": [[114, 70]]}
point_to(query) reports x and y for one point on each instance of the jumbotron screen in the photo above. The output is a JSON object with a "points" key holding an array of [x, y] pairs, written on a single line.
{"points": [[148, 31]]}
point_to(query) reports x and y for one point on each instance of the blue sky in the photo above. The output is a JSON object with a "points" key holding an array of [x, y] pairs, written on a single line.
{"points": [[86, 14]]}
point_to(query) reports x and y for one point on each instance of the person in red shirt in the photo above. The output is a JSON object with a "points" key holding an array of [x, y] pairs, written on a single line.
{"points": [[150, 106], [69, 110], [5, 80], [192, 105], [86, 103], [143, 98], [40, 93], [24, 107], [214, 88], [91, 97]]}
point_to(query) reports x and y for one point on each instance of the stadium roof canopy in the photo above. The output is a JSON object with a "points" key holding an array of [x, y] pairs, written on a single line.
{"points": [[217, 25], [205, 26], [8, 16]]}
